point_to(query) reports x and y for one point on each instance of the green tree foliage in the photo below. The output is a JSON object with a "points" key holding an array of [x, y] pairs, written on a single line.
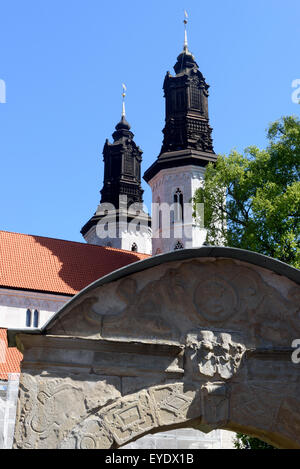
{"points": [[262, 193], [246, 442], [252, 201]]}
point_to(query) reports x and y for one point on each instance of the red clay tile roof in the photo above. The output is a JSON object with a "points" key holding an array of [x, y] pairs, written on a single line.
{"points": [[51, 265], [56, 266], [10, 358]]}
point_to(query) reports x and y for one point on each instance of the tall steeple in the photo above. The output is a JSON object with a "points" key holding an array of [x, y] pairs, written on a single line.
{"points": [[187, 133], [186, 149], [122, 193], [122, 166]]}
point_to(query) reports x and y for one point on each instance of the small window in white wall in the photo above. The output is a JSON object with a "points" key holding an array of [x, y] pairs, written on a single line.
{"points": [[178, 205], [158, 213], [28, 318], [134, 247], [36, 317]]}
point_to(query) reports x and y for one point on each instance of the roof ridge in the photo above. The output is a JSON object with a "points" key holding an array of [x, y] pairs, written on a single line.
{"points": [[75, 242]]}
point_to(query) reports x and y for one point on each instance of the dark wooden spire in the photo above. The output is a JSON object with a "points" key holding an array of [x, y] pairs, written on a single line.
{"points": [[187, 124], [122, 167], [187, 133], [122, 172]]}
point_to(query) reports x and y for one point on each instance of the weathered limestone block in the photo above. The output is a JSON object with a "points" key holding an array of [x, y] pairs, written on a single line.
{"points": [[267, 410], [288, 419], [89, 434], [49, 407]]}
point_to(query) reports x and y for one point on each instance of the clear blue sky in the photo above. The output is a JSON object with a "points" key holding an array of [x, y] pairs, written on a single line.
{"points": [[63, 62]]}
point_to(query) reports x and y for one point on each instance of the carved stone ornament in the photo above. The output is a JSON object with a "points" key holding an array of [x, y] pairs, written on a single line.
{"points": [[216, 299], [214, 354]]}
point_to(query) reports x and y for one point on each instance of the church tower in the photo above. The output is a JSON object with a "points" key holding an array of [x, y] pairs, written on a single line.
{"points": [[187, 148], [120, 220]]}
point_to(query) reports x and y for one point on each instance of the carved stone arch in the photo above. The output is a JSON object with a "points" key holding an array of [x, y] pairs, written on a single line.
{"points": [[197, 337], [178, 405]]}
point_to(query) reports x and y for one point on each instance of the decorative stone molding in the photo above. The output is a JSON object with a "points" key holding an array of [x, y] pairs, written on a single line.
{"points": [[40, 301]]}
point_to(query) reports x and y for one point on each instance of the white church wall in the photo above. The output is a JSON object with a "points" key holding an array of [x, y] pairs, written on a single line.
{"points": [[164, 185], [124, 238], [15, 303], [139, 241]]}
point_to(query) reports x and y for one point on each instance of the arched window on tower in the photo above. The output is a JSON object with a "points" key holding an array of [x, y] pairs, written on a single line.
{"points": [[158, 214], [36, 317], [134, 247], [28, 318], [178, 206]]}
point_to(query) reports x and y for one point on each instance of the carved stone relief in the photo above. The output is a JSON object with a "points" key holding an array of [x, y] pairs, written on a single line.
{"points": [[52, 406], [198, 294], [143, 312], [194, 295], [213, 354], [159, 406], [90, 434], [215, 404], [216, 299]]}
